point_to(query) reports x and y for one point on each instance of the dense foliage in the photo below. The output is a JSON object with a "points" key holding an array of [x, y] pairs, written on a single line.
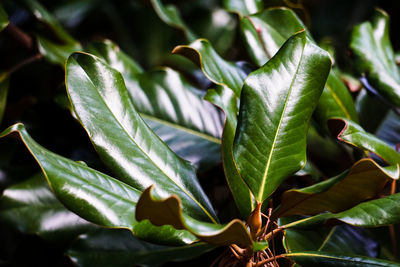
{"points": [[224, 134]]}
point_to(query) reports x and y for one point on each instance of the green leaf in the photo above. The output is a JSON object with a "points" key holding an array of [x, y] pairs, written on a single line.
{"points": [[216, 69], [335, 101], [224, 98], [4, 82], [374, 213], [115, 57], [192, 128], [389, 130], [374, 56], [317, 259], [171, 16], [371, 110], [116, 247], [3, 19], [94, 196], [352, 133], [56, 51], [123, 140], [32, 208], [168, 211], [338, 239], [276, 106], [173, 108], [365, 180], [265, 32], [244, 7]]}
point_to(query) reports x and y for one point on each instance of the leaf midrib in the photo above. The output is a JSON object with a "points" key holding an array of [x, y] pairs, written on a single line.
{"points": [[338, 101], [147, 155], [262, 187]]}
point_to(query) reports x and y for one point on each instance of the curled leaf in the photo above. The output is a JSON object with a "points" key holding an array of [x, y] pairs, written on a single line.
{"points": [[169, 211]]}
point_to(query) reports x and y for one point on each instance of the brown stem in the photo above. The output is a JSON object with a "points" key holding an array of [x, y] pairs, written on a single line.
{"points": [[19, 36], [218, 258], [261, 263], [24, 62], [238, 249], [272, 233], [273, 248], [268, 220], [237, 256]]}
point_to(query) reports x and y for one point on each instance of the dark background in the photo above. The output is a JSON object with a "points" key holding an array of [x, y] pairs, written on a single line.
{"points": [[35, 88]]}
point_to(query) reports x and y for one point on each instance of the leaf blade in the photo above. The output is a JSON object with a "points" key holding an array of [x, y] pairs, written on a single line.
{"points": [[270, 107], [137, 156]]}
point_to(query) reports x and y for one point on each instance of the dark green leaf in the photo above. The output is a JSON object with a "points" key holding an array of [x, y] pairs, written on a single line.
{"points": [[173, 108], [123, 140], [170, 15], [4, 81], [365, 180], [3, 19], [244, 7], [317, 259], [265, 32], [32, 208], [373, 213], [93, 195], [338, 239], [115, 57], [54, 51], [389, 130], [168, 211], [352, 133], [276, 106], [225, 99], [335, 101], [371, 110], [375, 58], [115, 247], [214, 67]]}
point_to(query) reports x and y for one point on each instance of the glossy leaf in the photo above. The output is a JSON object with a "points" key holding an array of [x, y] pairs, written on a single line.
{"points": [[316, 258], [365, 180], [265, 32], [115, 247], [244, 7], [3, 19], [171, 16], [32, 208], [375, 58], [94, 196], [389, 130], [115, 57], [370, 118], [276, 106], [225, 99], [123, 140], [374, 213], [173, 108], [351, 133], [4, 82], [338, 239], [168, 211], [335, 101], [192, 128], [216, 69], [54, 51]]}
